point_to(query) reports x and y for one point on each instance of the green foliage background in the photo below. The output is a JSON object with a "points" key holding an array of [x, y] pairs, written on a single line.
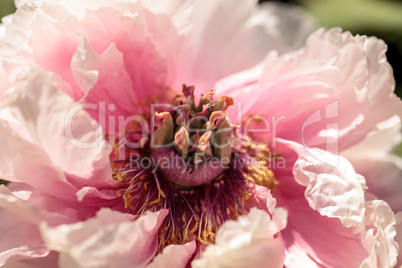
{"points": [[6, 7]]}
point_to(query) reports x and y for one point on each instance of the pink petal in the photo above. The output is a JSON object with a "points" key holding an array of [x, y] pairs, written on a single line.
{"points": [[214, 54], [65, 134], [57, 27], [83, 66], [145, 68], [112, 96], [51, 260], [383, 176], [328, 95], [119, 71], [20, 240], [19, 229], [373, 158], [363, 228], [33, 166], [30, 131], [196, 55], [28, 212], [75, 209], [318, 241], [174, 256], [180, 31], [110, 239], [258, 199]]}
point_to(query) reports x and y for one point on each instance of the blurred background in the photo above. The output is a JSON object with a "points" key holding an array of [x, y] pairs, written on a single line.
{"points": [[381, 18]]}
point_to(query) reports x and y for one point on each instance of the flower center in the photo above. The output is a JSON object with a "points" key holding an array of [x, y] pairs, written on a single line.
{"points": [[192, 162], [200, 135]]}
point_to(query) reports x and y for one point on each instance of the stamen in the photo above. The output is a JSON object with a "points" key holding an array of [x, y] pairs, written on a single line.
{"points": [[183, 118], [200, 168], [164, 133], [181, 139], [207, 98], [203, 143], [188, 92], [223, 103], [215, 119], [222, 142]]}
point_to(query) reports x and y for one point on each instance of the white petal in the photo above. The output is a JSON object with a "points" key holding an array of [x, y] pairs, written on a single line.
{"points": [[378, 234], [398, 237], [174, 256], [373, 158], [333, 190], [251, 241], [378, 144], [111, 239]]}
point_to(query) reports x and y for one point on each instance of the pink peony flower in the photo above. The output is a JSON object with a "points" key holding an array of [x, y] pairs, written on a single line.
{"points": [[113, 162]]}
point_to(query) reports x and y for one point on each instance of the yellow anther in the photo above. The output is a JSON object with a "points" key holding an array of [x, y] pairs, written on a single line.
{"points": [[154, 202], [161, 193]]}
